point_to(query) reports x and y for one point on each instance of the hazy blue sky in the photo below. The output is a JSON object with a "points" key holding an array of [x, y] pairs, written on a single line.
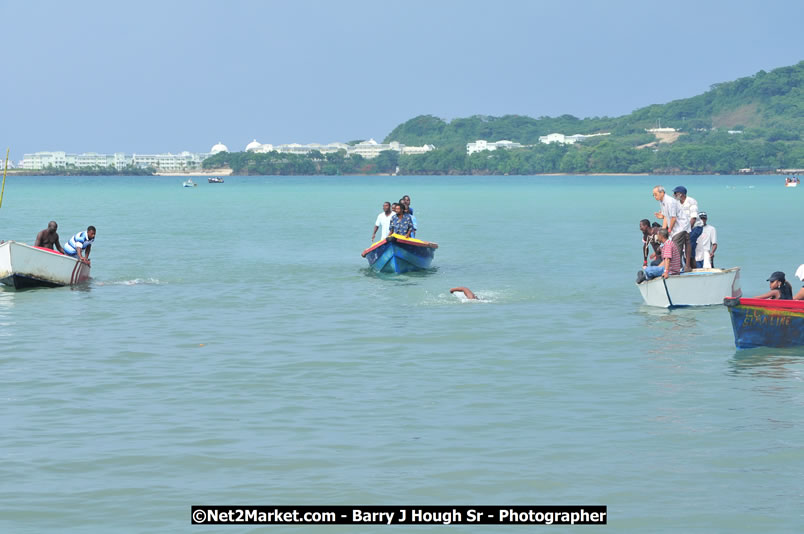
{"points": [[167, 76]]}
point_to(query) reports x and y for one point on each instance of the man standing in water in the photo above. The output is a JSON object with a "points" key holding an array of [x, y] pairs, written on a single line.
{"points": [[48, 238], [383, 221], [80, 245]]}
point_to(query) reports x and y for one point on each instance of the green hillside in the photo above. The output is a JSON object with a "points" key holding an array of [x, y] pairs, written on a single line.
{"points": [[756, 122], [767, 109]]}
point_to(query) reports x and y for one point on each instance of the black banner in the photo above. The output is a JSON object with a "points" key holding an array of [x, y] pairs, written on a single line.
{"points": [[399, 515]]}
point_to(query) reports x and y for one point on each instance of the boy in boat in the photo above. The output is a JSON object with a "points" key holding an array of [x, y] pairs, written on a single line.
{"points": [[80, 245], [649, 240], [48, 238], [383, 221]]}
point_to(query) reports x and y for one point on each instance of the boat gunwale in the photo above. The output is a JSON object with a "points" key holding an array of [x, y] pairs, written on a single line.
{"points": [[396, 238], [769, 304]]}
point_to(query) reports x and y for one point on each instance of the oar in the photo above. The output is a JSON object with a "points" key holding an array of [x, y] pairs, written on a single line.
{"points": [[4, 178], [664, 281]]}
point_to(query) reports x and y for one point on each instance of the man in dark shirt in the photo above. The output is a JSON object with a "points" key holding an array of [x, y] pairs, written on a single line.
{"points": [[48, 238], [649, 240]]}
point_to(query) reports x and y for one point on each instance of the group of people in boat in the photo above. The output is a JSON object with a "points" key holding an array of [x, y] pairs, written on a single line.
{"points": [[682, 242], [78, 246], [396, 218], [792, 180], [780, 288]]}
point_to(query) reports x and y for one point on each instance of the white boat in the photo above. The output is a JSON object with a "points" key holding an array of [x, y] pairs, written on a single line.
{"points": [[791, 184], [189, 183], [699, 287], [23, 266]]}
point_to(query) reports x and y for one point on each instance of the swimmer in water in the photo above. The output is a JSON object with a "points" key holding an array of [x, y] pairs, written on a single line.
{"points": [[466, 291]]}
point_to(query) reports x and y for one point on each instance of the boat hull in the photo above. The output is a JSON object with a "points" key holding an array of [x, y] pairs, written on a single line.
{"points": [[23, 266], [701, 287], [766, 323], [397, 254]]}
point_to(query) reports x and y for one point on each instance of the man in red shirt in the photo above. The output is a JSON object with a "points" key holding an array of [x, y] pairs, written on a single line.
{"points": [[671, 259]]}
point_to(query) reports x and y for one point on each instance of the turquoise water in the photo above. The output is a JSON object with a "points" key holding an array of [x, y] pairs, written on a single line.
{"points": [[233, 348]]}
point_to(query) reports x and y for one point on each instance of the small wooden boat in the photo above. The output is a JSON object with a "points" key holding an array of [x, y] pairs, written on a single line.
{"points": [[23, 266], [699, 287], [766, 323], [215, 180], [398, 254], [189, 183], [791, 182]]}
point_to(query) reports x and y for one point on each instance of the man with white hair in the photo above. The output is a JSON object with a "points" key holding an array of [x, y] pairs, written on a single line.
{"points": [[800, 276], [674, 218]]}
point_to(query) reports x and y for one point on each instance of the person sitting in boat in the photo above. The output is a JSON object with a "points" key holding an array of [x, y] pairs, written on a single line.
{"points": [[48, 238], [405, 201], [800, 276], [401, 222], [80, 245], [671, 259], [780, 289]]}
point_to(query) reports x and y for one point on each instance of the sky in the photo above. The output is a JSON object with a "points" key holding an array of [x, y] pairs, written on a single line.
{"points": [[174, 75]]}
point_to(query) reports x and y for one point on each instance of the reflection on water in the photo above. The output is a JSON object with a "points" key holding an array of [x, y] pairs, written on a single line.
{"points": [[399, 278], [6, 304], [671, 329], [769, 362]]}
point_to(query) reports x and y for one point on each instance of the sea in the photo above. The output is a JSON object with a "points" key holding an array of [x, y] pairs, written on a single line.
{"points": [[234, 348]]}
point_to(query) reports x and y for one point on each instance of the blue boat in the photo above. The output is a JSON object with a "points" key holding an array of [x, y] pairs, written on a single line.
{"points": [[766, 323], [398, 254]]}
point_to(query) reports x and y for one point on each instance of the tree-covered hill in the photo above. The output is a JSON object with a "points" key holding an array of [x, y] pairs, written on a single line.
{"points": [[756, 122], [767, 106]]}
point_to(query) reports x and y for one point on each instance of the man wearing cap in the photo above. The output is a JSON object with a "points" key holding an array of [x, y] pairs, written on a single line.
{"points": [[690, 207], [780, 289], [800, 276], [707, 244], [674, 218]]}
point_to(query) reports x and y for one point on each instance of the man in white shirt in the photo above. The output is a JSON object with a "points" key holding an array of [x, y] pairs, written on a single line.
{"points": [[674, 218], [383, 221], [707, 244], [690, 206]]}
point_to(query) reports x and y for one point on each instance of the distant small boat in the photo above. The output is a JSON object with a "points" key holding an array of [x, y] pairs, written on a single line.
{"points": [[23, 266], [189, 183], [700, 287], [791, 183], [215, 180], [398, 254], [766, 323]]}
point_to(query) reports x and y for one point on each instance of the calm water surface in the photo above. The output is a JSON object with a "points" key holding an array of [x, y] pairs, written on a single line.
{"points": [[233, 348]]}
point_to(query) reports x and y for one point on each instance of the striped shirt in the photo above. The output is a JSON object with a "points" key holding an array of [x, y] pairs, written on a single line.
{"points": [[670, 250], [80, 240]]}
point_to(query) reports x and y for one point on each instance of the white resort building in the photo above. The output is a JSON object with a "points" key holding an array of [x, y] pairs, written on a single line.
{"points": [[566, 139], [368, 149], [163, 162], [480, 145]]}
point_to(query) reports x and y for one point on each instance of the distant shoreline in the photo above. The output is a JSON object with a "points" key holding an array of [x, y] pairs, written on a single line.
{"points": [[230, 172]]}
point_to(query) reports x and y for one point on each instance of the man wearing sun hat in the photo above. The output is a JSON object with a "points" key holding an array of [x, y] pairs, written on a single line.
{"points": [[800, 276], [706, 245]]}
